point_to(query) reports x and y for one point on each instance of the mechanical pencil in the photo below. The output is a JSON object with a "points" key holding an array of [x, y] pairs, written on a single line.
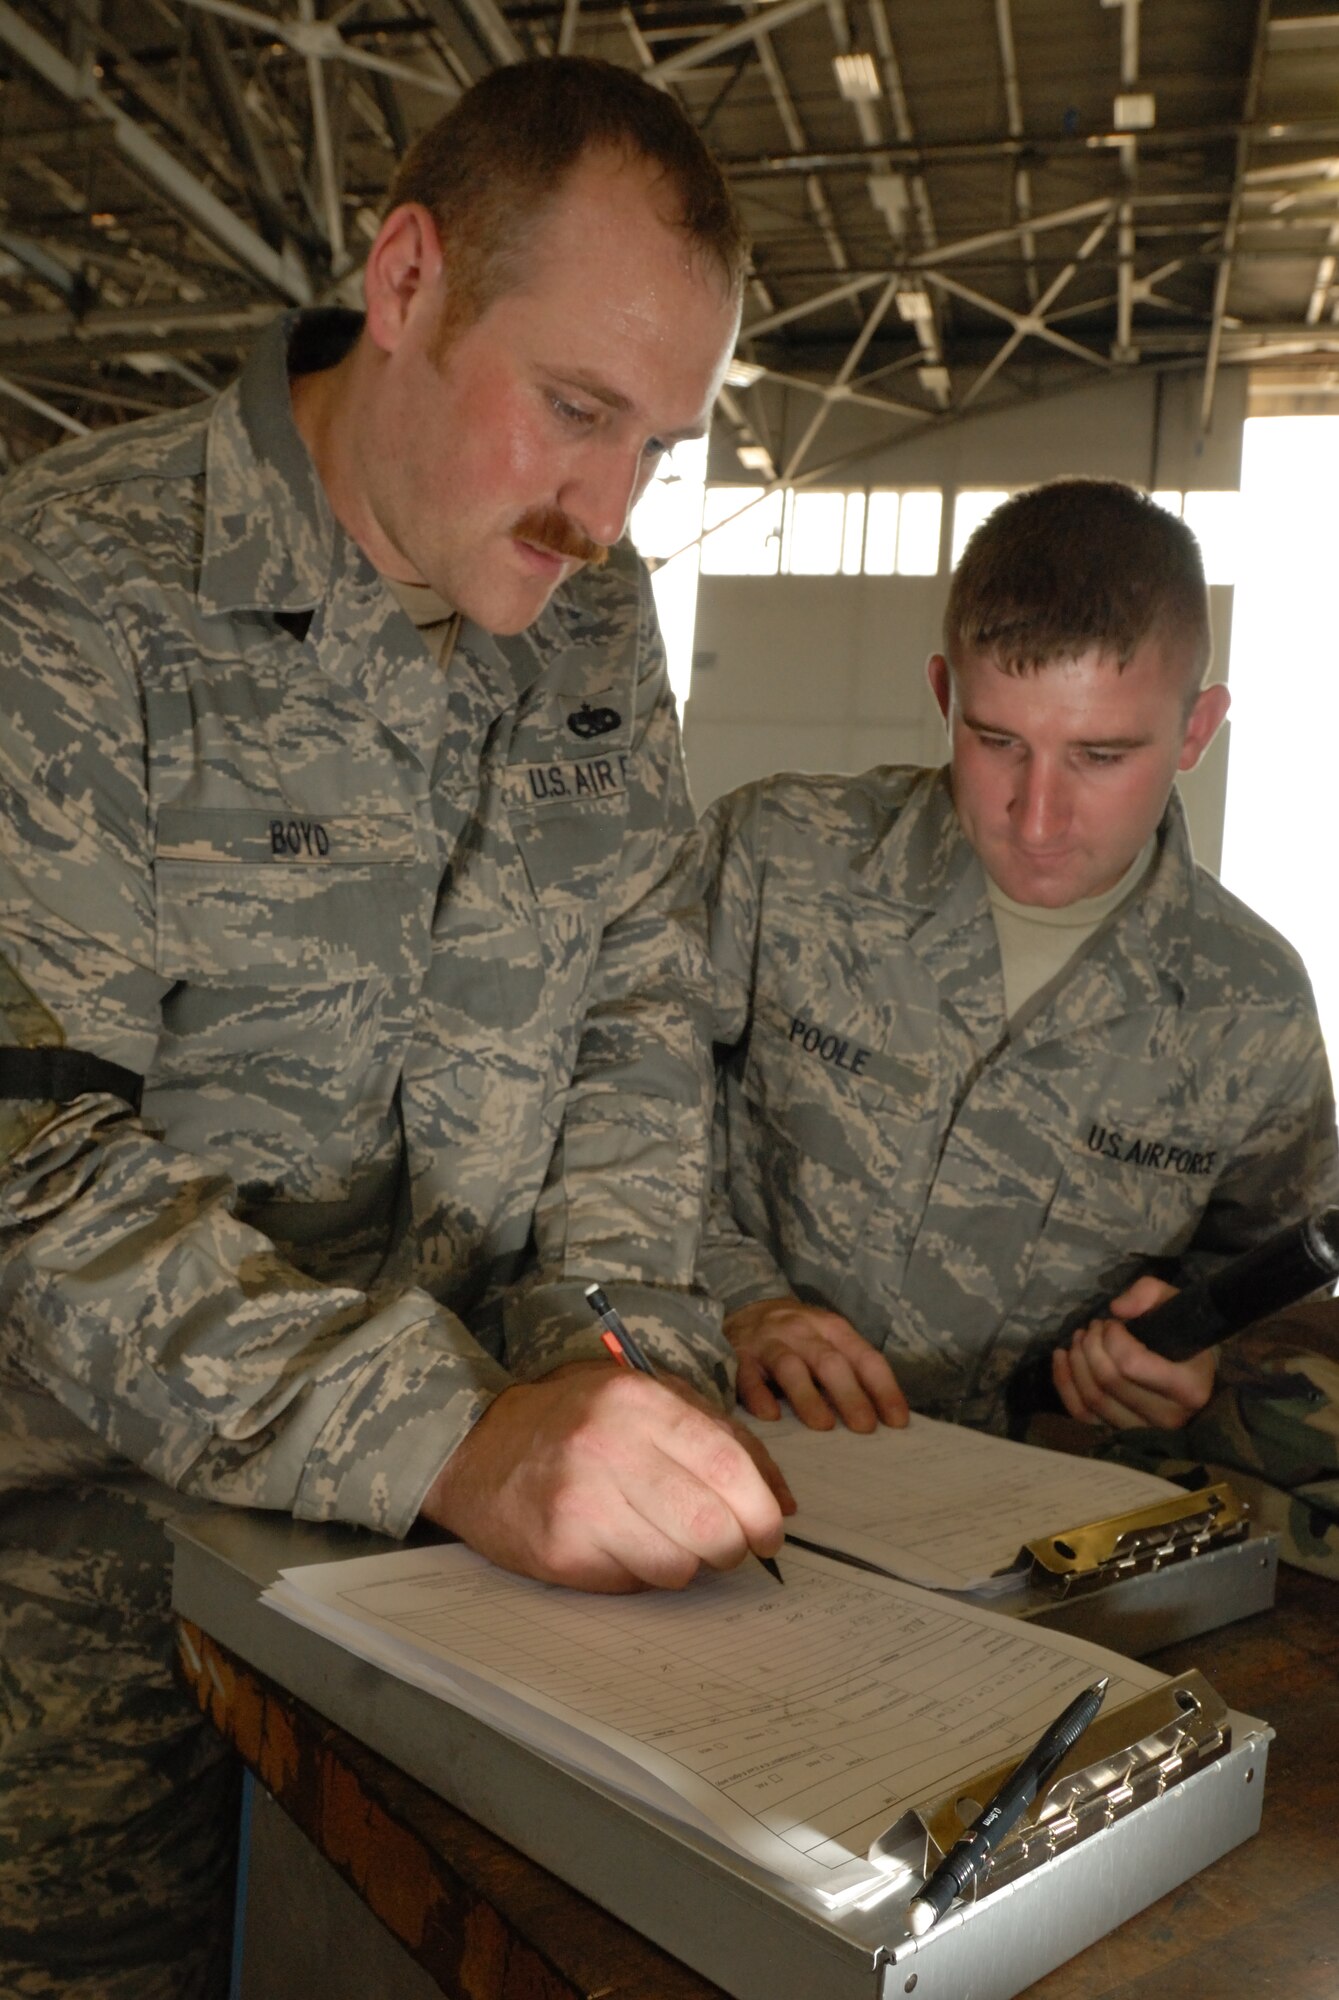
{"points": [[967, 1858]]}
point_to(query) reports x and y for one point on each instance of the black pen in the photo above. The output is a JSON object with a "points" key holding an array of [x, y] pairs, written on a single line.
{"points": [[629, 1355], [967, 1858]]}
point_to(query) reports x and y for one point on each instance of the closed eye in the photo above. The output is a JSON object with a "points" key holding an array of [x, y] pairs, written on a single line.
{"points": [[571, 413]]}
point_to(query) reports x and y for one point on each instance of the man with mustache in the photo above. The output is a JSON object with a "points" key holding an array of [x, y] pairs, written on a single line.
{"points": [[340, 977]]}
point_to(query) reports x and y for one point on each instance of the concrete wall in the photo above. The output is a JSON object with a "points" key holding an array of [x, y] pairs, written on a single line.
{"points": [[828, 673]]}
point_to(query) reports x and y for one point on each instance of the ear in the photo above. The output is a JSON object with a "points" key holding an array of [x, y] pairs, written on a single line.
{"points": [[940, 676], [1210, 706], [403, 271]]}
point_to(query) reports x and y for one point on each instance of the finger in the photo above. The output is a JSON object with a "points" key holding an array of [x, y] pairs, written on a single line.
{"points": [[793, 1376], [1165, 1393], [1141, 1297], [712, 1497], [1091, 1379], [875, 1380], [1063, 1377], [768, 1467], [844, 1390], [752, 1390], [1097, 1357], [882, 1387]]}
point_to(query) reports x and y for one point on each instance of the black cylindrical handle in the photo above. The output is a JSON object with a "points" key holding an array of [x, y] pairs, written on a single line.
{"points": [[1273, 1275]]}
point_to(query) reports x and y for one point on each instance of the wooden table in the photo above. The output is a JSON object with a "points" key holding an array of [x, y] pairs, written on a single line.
{"points": [[487, 1924]]}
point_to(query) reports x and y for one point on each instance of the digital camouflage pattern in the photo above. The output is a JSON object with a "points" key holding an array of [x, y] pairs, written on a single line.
{"points": [[394, 953], [1272, 1428], [962, 1195]]}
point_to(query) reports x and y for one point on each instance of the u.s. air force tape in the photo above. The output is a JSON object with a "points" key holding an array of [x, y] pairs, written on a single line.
{"points": [[58, 1075]]}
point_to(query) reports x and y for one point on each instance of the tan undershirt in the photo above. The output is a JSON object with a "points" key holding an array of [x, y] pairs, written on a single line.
{"points": [[437, 621], [1037, 945]]}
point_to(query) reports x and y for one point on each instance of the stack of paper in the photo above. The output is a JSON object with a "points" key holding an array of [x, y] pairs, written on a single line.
{"points": [[792, 1725], [940, 1505]]}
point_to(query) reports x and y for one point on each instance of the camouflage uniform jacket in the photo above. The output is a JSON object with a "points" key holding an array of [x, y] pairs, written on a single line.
{"points": [[390, 948], [887, 1149]]}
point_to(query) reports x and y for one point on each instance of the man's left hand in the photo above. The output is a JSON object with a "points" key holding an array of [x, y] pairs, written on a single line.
{"points": [[1107, 1375], [819, 1363]]}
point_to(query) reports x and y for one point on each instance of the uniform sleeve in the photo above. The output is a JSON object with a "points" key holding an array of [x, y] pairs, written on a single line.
{"points": [[1287, 1167], [130, 1291], [624, 1197], [735, 1268]]}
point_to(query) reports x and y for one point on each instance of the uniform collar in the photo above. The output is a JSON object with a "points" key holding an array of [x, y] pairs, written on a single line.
{"points": [[271, 542], [922, 863]]}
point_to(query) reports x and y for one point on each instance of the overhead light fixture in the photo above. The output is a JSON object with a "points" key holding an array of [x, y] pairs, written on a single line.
{"points": [[1136, 112], [888, 192], [913, 305], [857, 77], [755, 458], [935, 382], [743, 374]]}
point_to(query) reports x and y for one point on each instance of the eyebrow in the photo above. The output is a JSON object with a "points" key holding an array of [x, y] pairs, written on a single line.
{"points": [[614, 399], [981, 728]]}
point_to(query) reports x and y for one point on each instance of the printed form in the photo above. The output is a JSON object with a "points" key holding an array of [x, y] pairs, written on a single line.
{"points": [[938, 1504], [793, 1724]]}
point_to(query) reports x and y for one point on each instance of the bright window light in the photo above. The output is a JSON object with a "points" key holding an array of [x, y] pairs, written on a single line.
{"points": [[1284, 676], [1215, 521], [1170, 498], [815, 526], [742, 531], [881, 533], [853, 535], [970, 509], [666, 522], [918, 534]]}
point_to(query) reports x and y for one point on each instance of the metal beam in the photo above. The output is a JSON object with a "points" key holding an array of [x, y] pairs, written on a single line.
{"points": [[262, 183], [1013, 104], [41, 407], [1224, 278], [213, 217], [711, 46], [833, 391]]}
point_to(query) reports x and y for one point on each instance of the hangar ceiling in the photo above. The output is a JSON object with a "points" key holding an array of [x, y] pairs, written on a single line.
{"points": [[954, 203]]}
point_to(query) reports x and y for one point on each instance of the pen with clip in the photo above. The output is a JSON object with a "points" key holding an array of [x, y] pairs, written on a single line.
{"points": [[628, 1354], [968, 1857]]}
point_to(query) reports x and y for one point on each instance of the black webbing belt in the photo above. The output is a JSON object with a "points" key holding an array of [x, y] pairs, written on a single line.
{"points": [[58, 1075]]}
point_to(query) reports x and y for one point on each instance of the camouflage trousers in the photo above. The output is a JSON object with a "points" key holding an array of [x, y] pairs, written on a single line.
{"points": [[118, 1805], [1272, 1428]]}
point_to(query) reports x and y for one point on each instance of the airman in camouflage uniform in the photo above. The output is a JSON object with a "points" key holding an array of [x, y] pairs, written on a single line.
{"points": [[385, 939], [964, 1187], [958, 1193]]}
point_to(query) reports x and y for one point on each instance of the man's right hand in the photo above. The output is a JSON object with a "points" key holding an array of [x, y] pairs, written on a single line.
{"points": [[819, 1363], [604, 1480]]}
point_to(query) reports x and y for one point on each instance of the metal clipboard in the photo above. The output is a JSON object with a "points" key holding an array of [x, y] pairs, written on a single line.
{"points": [[1154, 1798], [1142, 1580]]}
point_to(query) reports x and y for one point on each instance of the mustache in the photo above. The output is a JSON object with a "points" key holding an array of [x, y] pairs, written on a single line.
{"points": [[549, 528]]}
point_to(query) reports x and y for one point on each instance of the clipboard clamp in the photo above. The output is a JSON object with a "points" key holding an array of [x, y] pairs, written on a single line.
{"points": [[1124, 1760], [1171, 1530]]}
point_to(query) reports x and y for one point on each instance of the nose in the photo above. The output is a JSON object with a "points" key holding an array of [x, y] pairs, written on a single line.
{"points": [[1041, 806], [601, 493]]}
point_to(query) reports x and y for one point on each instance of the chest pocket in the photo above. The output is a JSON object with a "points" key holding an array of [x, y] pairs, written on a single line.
{"points": [[278, 899], [832, 1122], [1134, 1181], [569, 820], [297, 947]]}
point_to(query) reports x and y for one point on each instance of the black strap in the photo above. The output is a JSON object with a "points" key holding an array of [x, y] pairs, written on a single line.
{"points": [[58, 1075]]}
